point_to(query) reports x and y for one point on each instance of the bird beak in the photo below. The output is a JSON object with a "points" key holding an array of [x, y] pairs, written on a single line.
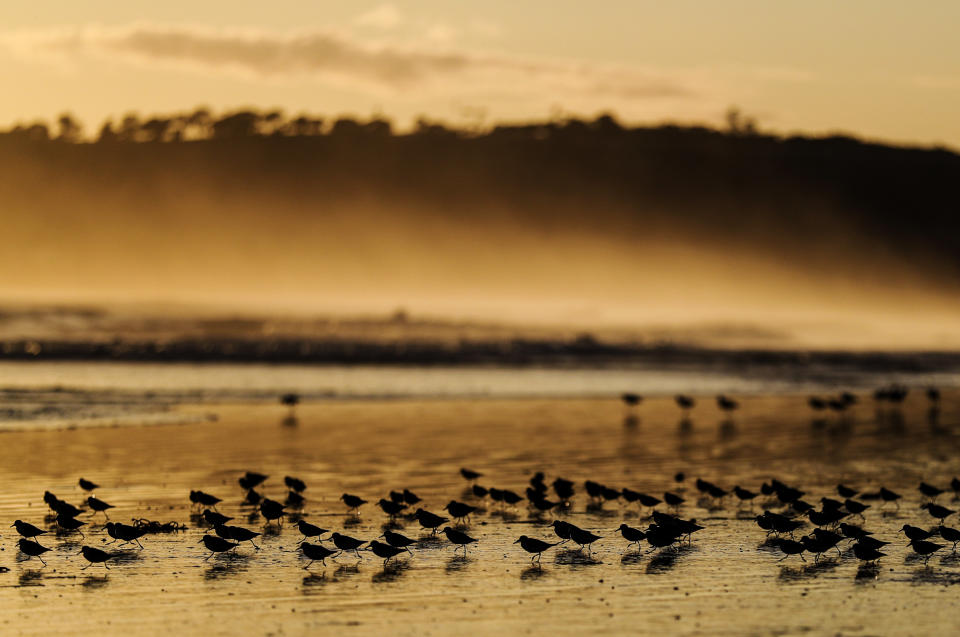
{"points": [[516, 542]]}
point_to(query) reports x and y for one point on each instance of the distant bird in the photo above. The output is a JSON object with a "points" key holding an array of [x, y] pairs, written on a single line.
{"points": [[854, 507], [937, 511], [70, 524], [294, 500], [848, 399], [673, 499], [583, 538], [933, 394], [33, 549], [846, 492], [925, 549], [825, 517], [253, 497], [390, 507], [314, 552], [744, 495], [385, 551], [866, 553], [213, 518], [124, 533], [469, 475], [914, 533], [27, 530], [478, 491], [631, 535], [200, 498], [347, 543], [410, 497], [831, 504], [791, 547], [510, 497], [237, 533], [86, 485], [353, 502], [929, 490], [271, 510], [309, 530], [816, 403], [727, 405], [870, 541], [950, 535], [889, 496], [534, 546], [955, 485], [215, 545], [459, 538], [459, 510], [817, 546], [94, 556], [99, 506], [295, 484], [396, 496], [291, 400], [429, 520], [251, 479], [542, 504], [853, 531], [630, 399], [398, 540], [563, 488], [686, 403]]}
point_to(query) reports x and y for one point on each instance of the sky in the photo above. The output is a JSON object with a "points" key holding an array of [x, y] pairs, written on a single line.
{"points": [[879, 69]]}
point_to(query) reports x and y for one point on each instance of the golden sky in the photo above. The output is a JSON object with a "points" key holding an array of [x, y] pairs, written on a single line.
{"points": [[881, 69]]}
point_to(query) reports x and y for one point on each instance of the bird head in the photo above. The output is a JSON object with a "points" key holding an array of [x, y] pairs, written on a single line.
{"points": [[520, 539]]}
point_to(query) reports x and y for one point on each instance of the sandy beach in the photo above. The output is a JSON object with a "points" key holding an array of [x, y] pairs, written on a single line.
{"points": [[728, 581]]}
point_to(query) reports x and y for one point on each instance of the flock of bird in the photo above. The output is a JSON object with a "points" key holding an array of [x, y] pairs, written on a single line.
{"points": [[831, 521]]}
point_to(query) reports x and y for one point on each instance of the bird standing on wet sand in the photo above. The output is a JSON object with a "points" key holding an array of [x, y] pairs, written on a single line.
{"points": [[347, 543], [33, 549], [237, 533], [686, 403], [314, 552], [866, 553], [94, 556], [398, 540], [925, 549], [744, 495], [469, 475], [562, 529], [385, 551], [271, 510], [251, 480], [950, 535], [429, 520], [214, 518], [459, 538], [353, 502], [937, 511], [535, 546], [583, 538], [390, 507], [889, 496], [215, 545], [631, 535], [727, 405], [630, 399], [68, 524], [124, 533], [459, 510], [673, 499], [410, 497], [929, 491], [791, 547], [27, 530], [199, 498], [99, 506], [86, 485], [295, 484], [309, 530], [915, 533]]}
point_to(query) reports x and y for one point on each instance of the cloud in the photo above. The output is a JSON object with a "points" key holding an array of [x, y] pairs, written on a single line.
{"points": [[346, 59], [385, 16]]}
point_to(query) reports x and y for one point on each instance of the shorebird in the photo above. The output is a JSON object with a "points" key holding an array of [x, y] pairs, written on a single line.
{"points": [[99, 506], [459, 538], [534, 546], [469, 475], [200, 498], [673, 499], [271, 510], [214, 518], [314, 552], [816, 403], [914, 533], [630, 399], [353, 502], [563, 488], [853, 531], [124, 533], [309, 530], [631, 535], [33, 549], [294, 500], [459, 510], [390, 507], [930, 491], [429, 520], [215, 545], [925, 549], [295, 484], [290, 400], [68, 524], [562, 529], [686, 403], [253, 497], [347, 543], [791, 547], [385, 551], [937, 511], [846, 492], [933, 394], [854, 507], [950, 535], [744, 495], [889, 496], [237, 533], [866, 553], [727, 405], [583, 538], [251, 479], [94, 556], [410, 497], [86, 485], [478, 491], [27, 530], [398, 540]]}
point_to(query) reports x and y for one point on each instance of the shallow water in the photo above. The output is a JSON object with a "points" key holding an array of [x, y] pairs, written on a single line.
{"points": [[727, 582]]}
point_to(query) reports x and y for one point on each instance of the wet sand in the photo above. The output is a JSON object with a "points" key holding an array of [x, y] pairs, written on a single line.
{"points": [[727, 582]]}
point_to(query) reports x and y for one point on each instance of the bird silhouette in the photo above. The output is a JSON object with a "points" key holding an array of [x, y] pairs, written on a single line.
{"points": [[295, 484], [385, 551], [469, 474], [27, 530], [459, 538], [309, 530], [237, 533], [353, 502], [866, 553], [535, 546], [99, 506], [124, 533], [271, 510], [631, 535], [398, 540], [94, 556], [314, 552], [216, 545], [429, 520], [86, 485], [347, 543], [459, 510], [33, 549]]}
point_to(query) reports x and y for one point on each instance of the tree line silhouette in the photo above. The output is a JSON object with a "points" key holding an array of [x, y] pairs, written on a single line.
{"points": [[815, 200]]}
